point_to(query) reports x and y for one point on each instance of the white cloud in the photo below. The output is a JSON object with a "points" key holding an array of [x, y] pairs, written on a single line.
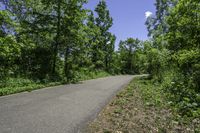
{"points": [[148, 14]]}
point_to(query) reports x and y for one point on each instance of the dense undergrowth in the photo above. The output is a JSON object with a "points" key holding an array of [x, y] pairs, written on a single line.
{"points": [[175, 52], [154, 94], [16, 85]]}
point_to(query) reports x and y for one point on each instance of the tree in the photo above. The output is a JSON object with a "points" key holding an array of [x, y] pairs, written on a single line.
{"points": [[73, 36], [93, 35], [56, 27], [157, 25], [109, 52], [35, 29], [183, 38], [173, 57], [127, 50], [10, 49], [105, 46]]}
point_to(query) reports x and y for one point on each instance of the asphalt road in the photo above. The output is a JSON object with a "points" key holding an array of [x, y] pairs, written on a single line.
{"points": [[61, 109]]}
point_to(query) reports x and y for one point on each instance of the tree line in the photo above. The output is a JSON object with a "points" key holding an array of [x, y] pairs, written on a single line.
{"points": [[48, 38], [58, 39]]}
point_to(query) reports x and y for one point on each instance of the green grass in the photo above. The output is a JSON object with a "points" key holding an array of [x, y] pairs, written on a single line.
{"points": [[154, 95], [17, 85], [86, 75]]}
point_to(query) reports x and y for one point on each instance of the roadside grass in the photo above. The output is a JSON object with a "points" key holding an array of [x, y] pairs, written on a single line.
{"points": [[141, 107], [17, 85], [87, 75]]}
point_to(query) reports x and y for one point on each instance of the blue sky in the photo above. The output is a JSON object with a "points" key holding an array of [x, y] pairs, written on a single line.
{"points": [[129, 17]]}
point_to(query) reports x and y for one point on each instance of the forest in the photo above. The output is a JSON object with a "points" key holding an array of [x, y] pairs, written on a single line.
{"points": [[50, 42]]}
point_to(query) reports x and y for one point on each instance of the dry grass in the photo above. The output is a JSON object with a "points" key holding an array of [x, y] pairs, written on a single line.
{"points": [[130, 113]]}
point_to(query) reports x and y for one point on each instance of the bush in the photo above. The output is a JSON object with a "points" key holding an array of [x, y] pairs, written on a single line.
{"points": [[183, 96], [36, 62]]}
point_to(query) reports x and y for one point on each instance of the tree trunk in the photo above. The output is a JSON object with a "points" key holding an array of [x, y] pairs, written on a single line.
{"points": [[57, 39]]}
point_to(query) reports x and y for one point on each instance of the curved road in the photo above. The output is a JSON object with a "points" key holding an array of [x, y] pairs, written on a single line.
{"points": [[61, 109]]}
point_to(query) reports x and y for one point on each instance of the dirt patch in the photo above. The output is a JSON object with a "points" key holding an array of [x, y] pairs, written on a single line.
{"points": [[129, 113]]}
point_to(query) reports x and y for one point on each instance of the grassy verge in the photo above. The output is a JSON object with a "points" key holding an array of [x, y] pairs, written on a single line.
{"points": [[87, 75], [139, 108], [21, 85], [17, 85]]}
